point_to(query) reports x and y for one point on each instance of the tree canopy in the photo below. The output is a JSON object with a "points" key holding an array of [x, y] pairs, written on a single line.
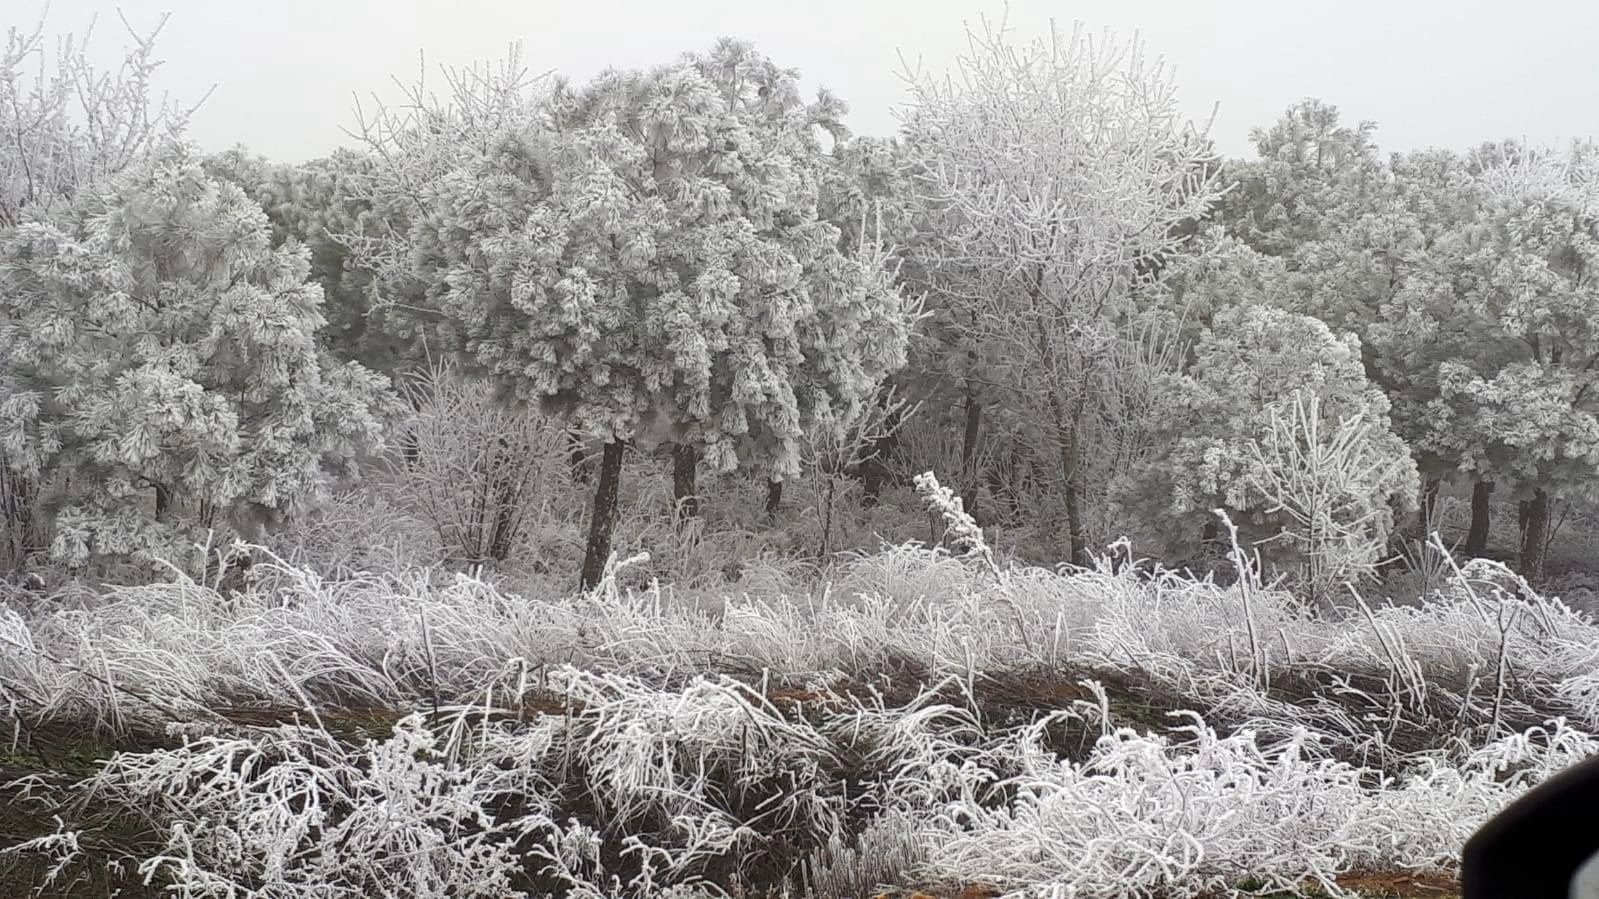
{"points": [[645, 257], [162, 370]]}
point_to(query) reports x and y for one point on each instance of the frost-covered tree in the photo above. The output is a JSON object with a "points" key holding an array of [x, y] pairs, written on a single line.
{"points": [[644, 257], [1508, 310], [162, 375], [1217, 446], [1364, 278], [65, 123], [1052, 176], [1308, 168], [1320, 197], [321, 204]]}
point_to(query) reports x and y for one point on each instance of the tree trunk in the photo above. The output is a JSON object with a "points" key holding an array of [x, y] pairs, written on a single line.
{"points": [[603, 519], [685, 498], [1477, 537], [1534, 534], [1070, 456], [22, 535], [507, 502], [974, 426], [774, 499], [581, 469], [1074, 524], [163, 503], [1426, 516]]}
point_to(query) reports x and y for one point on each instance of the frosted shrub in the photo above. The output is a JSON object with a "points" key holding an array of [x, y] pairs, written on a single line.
{"points": [[1318, 474], [293, 813], [840, 443], [1186, 814], [650, 754], [480, 473], [475, 807]]}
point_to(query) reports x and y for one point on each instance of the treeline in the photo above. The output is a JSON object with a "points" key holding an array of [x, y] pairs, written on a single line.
{"points": [[1047, 262]]}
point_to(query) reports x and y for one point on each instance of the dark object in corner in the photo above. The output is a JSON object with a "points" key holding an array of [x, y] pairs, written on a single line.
{"points": [[1534, 848]]}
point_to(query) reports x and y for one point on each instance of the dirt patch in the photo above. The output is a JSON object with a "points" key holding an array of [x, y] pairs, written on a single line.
{"points": [[111, 842], [1380, 885]]}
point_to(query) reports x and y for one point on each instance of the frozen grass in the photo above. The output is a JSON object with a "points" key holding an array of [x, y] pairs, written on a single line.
{"points": [[638, 789], [636, 741]]}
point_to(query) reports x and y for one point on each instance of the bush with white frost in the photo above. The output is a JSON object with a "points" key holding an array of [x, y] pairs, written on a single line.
{"points": [[1275, 422], [481, 474]]}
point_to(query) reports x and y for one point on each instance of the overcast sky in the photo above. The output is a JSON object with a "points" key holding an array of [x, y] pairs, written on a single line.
{"points": [[1430, 73]]}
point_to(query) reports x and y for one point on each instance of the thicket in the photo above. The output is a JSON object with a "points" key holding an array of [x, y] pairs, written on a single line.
{"points": [[693, 265]]}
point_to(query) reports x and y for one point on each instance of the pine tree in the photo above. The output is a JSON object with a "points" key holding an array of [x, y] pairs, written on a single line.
{"points": [[1505, 313], [1307, 168], [321, 205], [1254, 362], [645, 258], [163, 375], [64, 124]]}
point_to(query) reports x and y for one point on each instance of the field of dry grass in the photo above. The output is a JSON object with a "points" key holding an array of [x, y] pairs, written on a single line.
{"points": [[917, 720]]}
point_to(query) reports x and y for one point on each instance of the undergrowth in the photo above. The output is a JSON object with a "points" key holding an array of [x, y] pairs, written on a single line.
{"points": [[1118, 730]]}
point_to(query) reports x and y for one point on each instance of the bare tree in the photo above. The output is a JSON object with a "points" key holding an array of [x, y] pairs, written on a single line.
{"points": [[1053, 177], [478, 471], [838, 444], [65, 123]]}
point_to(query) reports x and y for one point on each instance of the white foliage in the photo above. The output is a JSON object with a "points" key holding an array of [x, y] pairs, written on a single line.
{"points": [[64, 124], [161, 375], [1051, 177]]}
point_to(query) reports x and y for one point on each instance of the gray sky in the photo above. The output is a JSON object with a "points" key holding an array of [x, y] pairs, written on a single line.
{"points": [[1430, 73]]}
